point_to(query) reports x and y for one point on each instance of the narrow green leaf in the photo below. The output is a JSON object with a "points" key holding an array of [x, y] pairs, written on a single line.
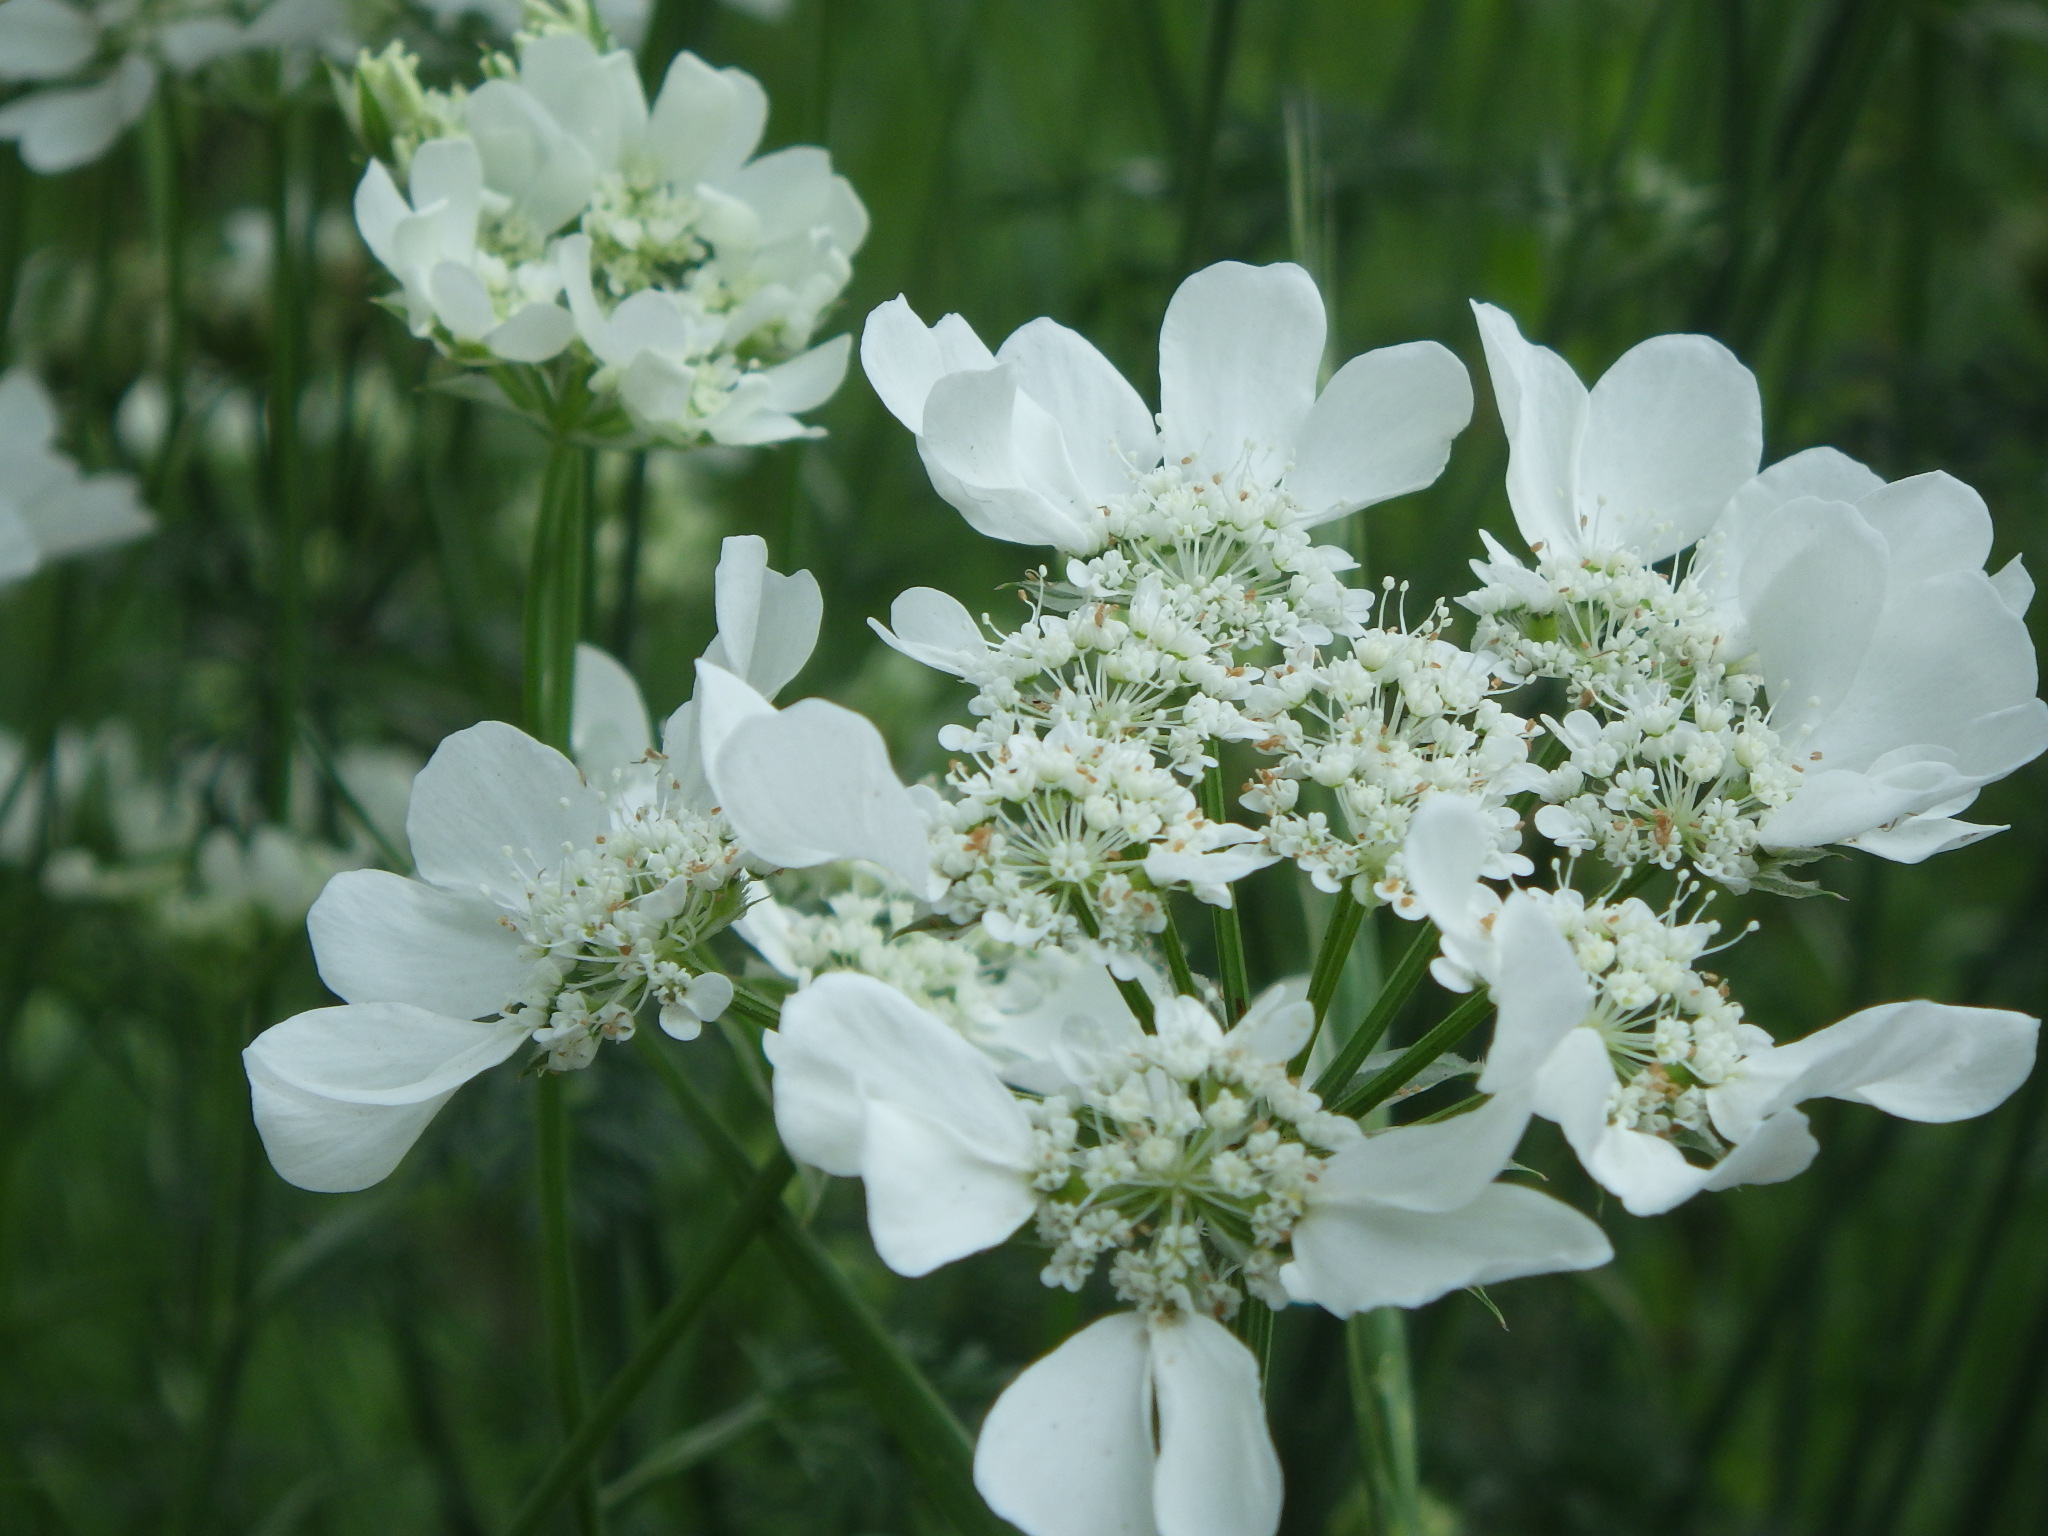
{"points": [[1400, 986], [1376, 1090], [558, 1281], [572, 1463]]}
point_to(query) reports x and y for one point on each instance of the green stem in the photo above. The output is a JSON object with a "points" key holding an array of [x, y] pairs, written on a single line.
{"points": [[393, 856], [1328, 970], [287, 479], [1255, 1327], [558, 1281], [1230, 964], [1135, 997], [1384, 1085], [1383, 1408], [166, 216], [554, 594], [938, 1447], [1399, 987], [572, 1462], [1177, 959], [633, 514]]}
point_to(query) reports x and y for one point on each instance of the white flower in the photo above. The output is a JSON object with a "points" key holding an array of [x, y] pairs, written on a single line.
{"points": [[1135, 1425], [1200, 1170], [119, 49], [447, 282], [1606, 1027], [1643, 462], [545, 907], [810, 784], [1412, 1214], [1833, 665], [47, 508], [1031, 442], [694, 272], [1901, 676]]}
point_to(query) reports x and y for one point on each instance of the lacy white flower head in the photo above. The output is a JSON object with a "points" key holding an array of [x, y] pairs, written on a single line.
{"points": [[102, 61], [1401, 714], [47, 508], [554, 907], [1192, 1166], [1830, 664], [552, 212], [1009, 1001], [1607, 1025], [1192, 571], [1043, 442]]}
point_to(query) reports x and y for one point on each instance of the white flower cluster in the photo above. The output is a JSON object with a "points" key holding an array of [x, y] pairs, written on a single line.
{"points": [[867, 928], [1669, 756], [550, 212], [559, 902], [1403, 715], [1186, 1157], [618, 923], [1193, 602], [1671, 1030], [98, 64]]}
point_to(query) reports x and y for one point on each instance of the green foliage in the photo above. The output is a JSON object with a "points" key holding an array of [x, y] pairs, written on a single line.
{"points": [[1850, 192]]}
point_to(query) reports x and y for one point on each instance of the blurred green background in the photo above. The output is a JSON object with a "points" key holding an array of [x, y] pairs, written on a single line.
{"points": [[1852, 193]]}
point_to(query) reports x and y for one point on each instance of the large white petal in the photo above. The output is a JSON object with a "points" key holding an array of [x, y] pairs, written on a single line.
{"points": [[812, 784], [537, 332], [767, 622], [43, 40], [340, 1094], [381, 938], [1825, 474], [1238, 356], [999, 458], [867, 1082], [2015, 588], [1543, 411], [1673, 430], [1919, 1060], [1540, 989], [1381, 428], [60, 130], [379, 206], [1949, 666], [1107, 431], [462, 300], [81, 513], [1813, 588], [935, 628], [1919, 838], [1067, 1449], [492, 801], [1834, 805], [1449, 840], [903, 357], [608, 725], [1438, 1167], [809, 379], [1931, 523], [705, 122], [1217, 1474], [934, 1195], [1353, 1258]]}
